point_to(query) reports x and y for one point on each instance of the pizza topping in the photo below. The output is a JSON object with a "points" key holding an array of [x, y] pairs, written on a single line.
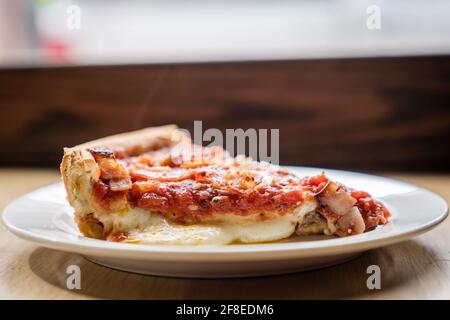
{"points": [[316, 184], [111, 171], [204, 182], [337, 199], [373, 212], [353, 211], [199, 192], [106, 197]]}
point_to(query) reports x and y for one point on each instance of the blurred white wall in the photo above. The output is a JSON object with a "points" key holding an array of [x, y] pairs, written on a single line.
{"points": [[134, 31]]}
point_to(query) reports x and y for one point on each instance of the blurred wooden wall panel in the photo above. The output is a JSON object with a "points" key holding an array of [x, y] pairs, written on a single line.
{"points": [[363, 114]]}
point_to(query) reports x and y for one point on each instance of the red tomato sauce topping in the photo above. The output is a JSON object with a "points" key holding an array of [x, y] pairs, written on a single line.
{"points": [[208, 181]]}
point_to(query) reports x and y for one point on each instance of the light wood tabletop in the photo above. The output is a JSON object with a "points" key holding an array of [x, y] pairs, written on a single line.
{"points": [[415, 269]]}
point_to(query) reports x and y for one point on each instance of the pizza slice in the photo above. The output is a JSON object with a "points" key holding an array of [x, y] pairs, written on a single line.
{"points": [[154, 186]]}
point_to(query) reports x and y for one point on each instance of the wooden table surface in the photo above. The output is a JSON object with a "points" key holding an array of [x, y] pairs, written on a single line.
{"points": [[415, 269]]}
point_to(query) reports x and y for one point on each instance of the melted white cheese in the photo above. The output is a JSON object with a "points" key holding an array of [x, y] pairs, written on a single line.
{"points": [[151, 228]]}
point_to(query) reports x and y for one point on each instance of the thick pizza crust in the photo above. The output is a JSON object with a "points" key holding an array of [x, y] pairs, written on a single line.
{"points": [[80, 171]]}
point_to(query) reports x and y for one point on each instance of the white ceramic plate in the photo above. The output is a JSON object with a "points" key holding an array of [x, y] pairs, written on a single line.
{"points": [[45, 217]]}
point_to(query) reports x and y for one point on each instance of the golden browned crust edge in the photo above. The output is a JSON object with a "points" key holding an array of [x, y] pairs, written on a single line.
{"points": [[136, 142], [79, 171]]}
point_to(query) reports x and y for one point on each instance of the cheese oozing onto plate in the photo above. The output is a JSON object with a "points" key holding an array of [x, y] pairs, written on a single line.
{"points": [[145, 227]]}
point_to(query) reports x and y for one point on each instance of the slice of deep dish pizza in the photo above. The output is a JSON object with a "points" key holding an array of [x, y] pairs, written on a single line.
{"points": [[153, 186]]}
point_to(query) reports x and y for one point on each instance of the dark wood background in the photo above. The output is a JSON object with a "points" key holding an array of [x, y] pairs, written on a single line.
{"points": [[362, 114]]}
